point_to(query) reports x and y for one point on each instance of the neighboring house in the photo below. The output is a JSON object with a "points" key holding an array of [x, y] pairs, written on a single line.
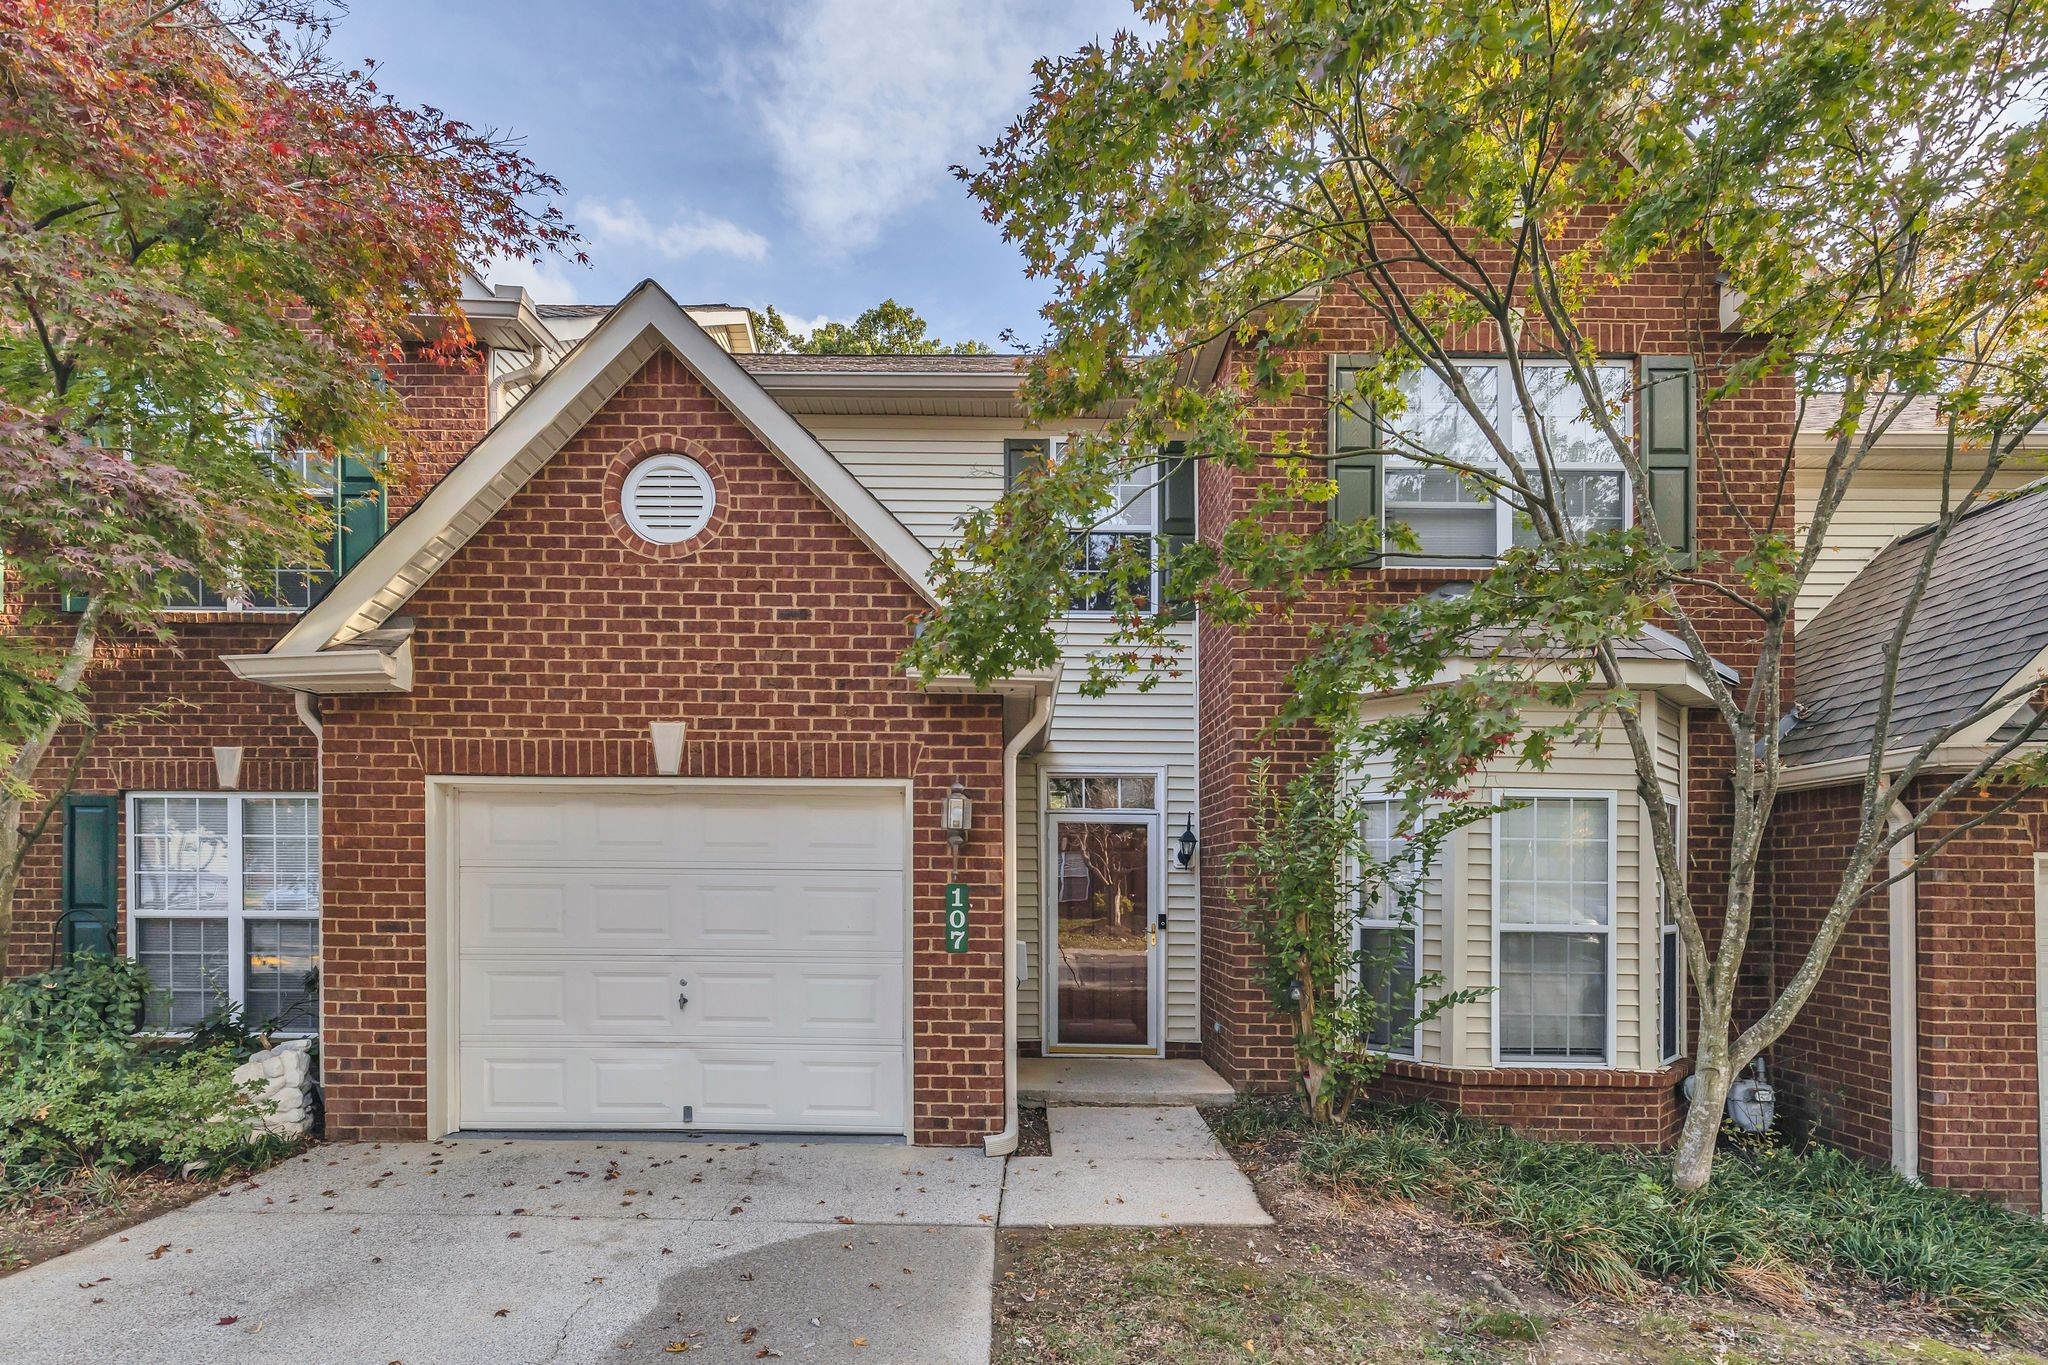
{"points": [[595, 792], [1926, 1043]]}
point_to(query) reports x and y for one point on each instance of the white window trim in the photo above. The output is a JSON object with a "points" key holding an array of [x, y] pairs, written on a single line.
{"points": [[1503, 510], [235, 917], [1606, 1063], [1155, 494], [1431, 878], [329, 493], [1669, 941]]}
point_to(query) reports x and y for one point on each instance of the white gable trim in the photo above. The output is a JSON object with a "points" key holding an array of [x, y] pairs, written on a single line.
{"points": [[644, 323]]}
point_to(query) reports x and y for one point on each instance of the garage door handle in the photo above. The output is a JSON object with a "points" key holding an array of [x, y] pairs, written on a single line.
{"points": [[682, 1001]]}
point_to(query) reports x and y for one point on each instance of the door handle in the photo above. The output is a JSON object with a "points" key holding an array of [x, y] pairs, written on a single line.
{"points": [[682, 1001]]}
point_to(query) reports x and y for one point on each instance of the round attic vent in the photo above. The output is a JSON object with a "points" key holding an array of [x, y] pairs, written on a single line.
{"points": [[667, 499]]}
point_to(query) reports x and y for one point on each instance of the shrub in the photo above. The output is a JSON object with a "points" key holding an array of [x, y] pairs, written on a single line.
{"points": [[80, 1092], [1608, 1222]]}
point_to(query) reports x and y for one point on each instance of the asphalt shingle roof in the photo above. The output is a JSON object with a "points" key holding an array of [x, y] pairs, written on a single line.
{"points": [[1983, 617]]}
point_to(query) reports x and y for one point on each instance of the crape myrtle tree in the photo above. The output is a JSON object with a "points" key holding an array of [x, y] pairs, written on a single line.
{"points": [[1870, 176], [213, 240]]}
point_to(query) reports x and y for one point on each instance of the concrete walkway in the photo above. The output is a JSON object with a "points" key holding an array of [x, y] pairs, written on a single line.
{"points": [[1129, 1166], [535, 1250], [1120, 1080]]}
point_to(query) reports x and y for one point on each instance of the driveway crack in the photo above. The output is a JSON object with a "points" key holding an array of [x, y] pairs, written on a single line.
{"points": [[562, 1337]]}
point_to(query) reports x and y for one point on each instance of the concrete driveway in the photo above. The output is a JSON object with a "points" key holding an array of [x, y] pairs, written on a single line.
{"points": [[530, 1250]]}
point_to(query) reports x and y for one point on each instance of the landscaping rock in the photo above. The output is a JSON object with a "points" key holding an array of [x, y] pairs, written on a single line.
{"points": [[286, 1075]]}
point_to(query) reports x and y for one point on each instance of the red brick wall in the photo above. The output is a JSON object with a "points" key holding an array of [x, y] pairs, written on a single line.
{"points": [[547, 645], [169, 702], [1832, 1069], [1979, 1069], [1669, 308], [1606, 1108]]}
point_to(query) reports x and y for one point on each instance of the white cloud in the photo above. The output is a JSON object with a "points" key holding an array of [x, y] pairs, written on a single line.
{"points": [[868, 103], [687, 232]]}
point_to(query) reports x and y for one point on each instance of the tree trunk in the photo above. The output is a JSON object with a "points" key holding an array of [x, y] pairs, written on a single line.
{"points": [[1692, 1163]]}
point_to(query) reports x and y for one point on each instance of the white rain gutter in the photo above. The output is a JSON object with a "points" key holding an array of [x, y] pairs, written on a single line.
{"points": [[1005, 1142], [1903, 948]]}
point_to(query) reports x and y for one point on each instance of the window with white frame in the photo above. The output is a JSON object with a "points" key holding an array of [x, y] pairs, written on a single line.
{"points": [[1386, 946], [224, 904], [1455, 519], [1101, 793], [1670, 958], [1553, 925], [1129, 525]]}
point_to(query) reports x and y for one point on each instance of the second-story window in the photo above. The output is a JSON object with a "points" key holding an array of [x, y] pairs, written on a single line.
{"points": [[351, 500], [1453, 517], [1150, 510]]}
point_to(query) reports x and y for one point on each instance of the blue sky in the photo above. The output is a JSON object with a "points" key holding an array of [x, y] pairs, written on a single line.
{"points": [[746, 152]]}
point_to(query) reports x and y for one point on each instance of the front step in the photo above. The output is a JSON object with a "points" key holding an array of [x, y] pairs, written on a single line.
{"points": [[1120, 1081]]}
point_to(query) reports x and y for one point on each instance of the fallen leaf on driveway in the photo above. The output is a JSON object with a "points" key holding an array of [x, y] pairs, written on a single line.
{"points": [[158, 1254], [842, 1218], [227, 1322], [675, 1348], [860, 1341], [502, 1313]]}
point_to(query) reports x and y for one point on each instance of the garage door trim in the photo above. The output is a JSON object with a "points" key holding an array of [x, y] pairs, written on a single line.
{"points": [[443, 871]]}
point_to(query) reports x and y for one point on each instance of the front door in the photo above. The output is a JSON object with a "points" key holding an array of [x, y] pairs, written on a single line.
{"points": [[1104, 939]]}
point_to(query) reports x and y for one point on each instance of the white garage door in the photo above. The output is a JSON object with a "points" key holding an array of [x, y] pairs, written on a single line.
{"points": [[588, 918]]}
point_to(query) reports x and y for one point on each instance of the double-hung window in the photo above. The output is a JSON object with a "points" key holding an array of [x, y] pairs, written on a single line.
{"points": [[1670, 959], [1456, 518], [1388, 915], [349, 499], [224, 898], [1553, 925], [1128, 527]]}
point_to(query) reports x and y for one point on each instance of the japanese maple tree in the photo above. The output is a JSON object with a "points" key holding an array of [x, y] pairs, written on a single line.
{"points": [[1872, 176], [213, 239]]}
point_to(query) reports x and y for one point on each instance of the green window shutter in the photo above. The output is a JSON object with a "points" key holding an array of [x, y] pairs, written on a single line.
{"points": [[1023, 455], [1669, 423], [362, 518], [92, 894], [1354, 447], [74, 602], [1177, 512]]}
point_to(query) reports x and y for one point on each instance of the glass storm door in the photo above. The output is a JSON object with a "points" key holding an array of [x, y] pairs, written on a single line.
{"points": [[1104, 934]]}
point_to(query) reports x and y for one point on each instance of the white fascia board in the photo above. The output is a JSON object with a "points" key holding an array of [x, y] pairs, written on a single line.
{"points": [[1948, 758], [1674, 678], [330, 672], [817, 383], [476, 488], [1035, 682]]}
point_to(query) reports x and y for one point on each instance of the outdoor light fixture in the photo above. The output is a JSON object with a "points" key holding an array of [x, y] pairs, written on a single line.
{"points": [[668, 746], [958, 818], [227, 765], [1187, 842]]}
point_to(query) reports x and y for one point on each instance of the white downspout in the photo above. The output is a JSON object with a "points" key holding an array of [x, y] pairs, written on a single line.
{"points": [[1005, 1142], [302, 702], [1903, 950]]}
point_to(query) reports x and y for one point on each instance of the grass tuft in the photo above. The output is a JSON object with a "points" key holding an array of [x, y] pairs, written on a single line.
{"points": [[1610, 1222]]}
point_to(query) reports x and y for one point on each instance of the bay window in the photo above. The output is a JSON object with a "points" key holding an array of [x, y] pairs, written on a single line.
{"points": [[1553, 926], [1387, 949], [224, 906]]}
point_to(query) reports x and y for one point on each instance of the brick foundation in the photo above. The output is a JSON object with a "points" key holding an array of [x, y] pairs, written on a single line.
{"points": [[1606, 1108]]}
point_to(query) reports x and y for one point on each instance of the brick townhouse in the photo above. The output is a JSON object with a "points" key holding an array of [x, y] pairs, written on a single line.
{"points": [[592, 789]]}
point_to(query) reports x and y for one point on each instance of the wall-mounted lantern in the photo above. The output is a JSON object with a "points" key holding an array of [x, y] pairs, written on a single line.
{"points": [[1187, 843], [668, 746], [227, 765], [958, 817]]}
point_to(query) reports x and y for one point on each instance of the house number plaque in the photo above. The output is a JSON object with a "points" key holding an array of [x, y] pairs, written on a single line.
{"points": [[956, 917]]}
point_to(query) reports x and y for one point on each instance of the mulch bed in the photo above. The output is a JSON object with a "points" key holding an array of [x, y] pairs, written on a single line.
{"points": [[70, 1219]]}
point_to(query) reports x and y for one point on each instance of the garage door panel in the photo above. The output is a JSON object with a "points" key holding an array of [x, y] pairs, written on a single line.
{"points": [[757, 999], [846, 1090], [858, 828], [598, 911]]}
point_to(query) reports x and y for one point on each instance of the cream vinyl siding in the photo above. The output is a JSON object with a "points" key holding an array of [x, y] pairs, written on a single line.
{"points": [[930, 472], [1880, 506], [1458, 931]]}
